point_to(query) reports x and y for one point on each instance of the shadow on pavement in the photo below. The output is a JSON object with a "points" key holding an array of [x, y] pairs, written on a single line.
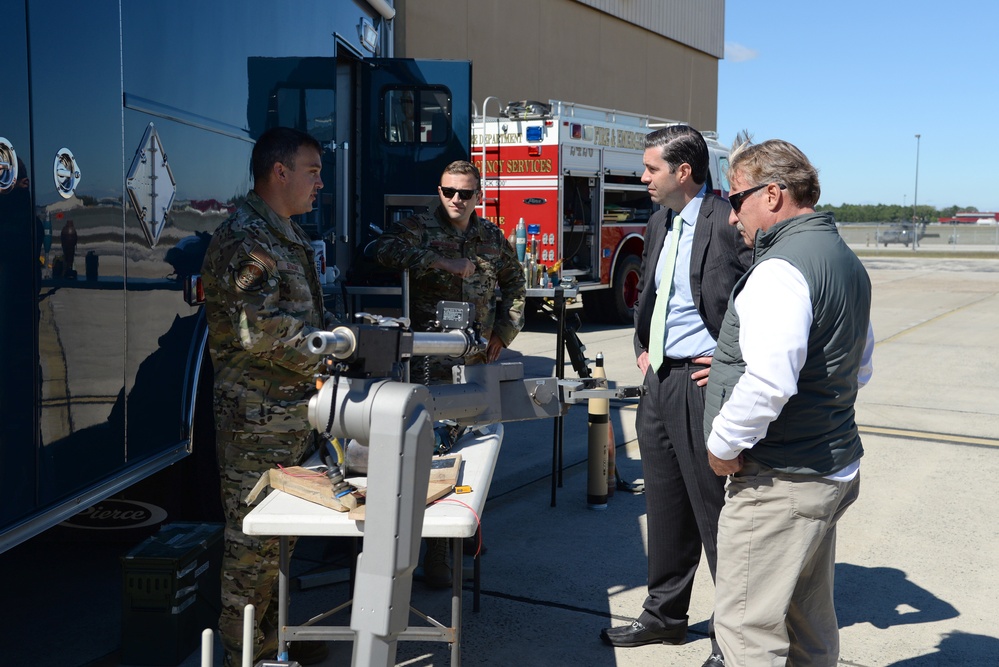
{"points": [[885, 597], [958, 648]]}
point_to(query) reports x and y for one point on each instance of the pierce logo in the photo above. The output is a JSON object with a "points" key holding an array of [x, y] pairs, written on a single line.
{"points": [[115, 514]]}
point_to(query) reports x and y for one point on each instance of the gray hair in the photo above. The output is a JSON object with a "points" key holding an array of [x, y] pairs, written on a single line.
{"points": [[777, 161]]}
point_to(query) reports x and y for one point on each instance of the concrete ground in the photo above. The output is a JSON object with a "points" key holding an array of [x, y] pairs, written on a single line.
{"points": [[917, 556]]}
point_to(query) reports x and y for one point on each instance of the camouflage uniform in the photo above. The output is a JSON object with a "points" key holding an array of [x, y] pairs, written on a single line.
{"points": [[263, 300], [416, 242]]}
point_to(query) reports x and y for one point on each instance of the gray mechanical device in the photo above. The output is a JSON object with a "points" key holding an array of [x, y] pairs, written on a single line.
{"points": [[363, 399]]}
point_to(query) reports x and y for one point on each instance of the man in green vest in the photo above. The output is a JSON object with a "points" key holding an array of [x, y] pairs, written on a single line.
{"points": [[794, 347]]}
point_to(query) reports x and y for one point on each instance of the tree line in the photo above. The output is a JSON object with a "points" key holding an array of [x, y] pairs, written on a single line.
{"points": [[889, 212]]}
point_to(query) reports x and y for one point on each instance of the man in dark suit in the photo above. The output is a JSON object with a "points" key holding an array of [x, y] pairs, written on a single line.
{"points": [[691, 261]]}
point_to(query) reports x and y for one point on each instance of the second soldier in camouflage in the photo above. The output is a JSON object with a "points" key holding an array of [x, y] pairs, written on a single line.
{"points": [[454, 255]]}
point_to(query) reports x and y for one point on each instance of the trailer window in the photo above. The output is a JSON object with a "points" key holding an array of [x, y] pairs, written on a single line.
{"points": [[417, 115]]}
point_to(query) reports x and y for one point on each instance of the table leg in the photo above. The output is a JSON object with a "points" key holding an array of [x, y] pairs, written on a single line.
{"points": [[283, 571], [457, 565], [476, 581]]}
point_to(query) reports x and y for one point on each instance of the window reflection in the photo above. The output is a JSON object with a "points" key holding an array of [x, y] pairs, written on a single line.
{"points": [[417, 115]]}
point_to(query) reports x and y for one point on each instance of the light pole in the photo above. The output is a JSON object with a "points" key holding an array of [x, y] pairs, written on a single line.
{"points": [[915, 194]]}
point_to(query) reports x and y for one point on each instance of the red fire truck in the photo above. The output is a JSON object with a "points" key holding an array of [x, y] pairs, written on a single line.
{"points": [[573, 174]]}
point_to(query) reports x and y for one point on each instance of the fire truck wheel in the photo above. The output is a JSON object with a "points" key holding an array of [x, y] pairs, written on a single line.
{"points": [[617, 304], [625, 288]]}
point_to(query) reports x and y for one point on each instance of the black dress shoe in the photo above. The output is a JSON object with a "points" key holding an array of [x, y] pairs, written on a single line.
{"points": [[714, 660], [637, 634]]}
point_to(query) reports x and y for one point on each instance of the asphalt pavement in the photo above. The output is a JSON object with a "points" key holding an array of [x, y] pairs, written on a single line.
{"points": [[916, 561]]}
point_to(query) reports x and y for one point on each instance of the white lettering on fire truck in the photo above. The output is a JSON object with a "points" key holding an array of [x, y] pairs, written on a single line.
{"points": [[629, 139], [506, 138], [528, 166], [518, 166], [605, 136], [602, 136]]}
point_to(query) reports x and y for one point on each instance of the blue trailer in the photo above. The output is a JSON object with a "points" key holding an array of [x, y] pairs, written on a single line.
{"points": [[125, 135]]}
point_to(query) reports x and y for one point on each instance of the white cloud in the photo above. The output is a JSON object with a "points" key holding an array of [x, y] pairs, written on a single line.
{"points": [[737, 53]]}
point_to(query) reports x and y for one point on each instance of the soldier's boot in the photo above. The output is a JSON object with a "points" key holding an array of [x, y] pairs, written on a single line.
{"points": [[436, 572]]}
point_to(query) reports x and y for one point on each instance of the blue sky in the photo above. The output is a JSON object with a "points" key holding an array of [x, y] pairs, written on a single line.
{"points": [[851, 83]]}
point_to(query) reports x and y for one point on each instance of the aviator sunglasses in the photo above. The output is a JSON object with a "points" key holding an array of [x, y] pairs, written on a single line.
{"points": [[739, 197], [448, 193]]}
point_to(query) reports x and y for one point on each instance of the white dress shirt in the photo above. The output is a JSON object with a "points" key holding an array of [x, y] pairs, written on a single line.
{"points": [[775, 314]]}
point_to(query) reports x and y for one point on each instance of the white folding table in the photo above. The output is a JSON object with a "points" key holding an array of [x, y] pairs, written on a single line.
{"points": [[284, 515]]}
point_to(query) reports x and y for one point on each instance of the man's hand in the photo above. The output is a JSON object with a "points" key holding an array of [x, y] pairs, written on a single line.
{"points": [[643, 362], [494, 348], [724, 468], [701, 376], [460, 267]]}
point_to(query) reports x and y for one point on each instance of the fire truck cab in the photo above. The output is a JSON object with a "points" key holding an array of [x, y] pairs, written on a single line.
{"points": [[573, 173]]}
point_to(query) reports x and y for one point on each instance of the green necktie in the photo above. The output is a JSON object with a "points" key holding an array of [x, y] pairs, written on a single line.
{"points": [[657, 329]]}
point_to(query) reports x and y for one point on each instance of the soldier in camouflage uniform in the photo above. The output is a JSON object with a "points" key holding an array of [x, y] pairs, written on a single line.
{"points": [[454, 255], [263, 301]]}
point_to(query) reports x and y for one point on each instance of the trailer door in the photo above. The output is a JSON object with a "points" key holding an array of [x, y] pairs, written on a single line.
{"points": [[415, 119], [19, 275]]}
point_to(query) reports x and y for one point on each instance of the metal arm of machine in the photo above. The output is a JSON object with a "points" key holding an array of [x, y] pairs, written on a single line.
{"points": [[398, 418], [582, 389]]}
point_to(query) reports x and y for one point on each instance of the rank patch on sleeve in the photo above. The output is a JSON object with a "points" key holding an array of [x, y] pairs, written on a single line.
{"points": [[251, 275]]}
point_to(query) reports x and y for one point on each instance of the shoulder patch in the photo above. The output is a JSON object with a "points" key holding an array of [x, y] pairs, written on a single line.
{"points": [[255, 270], [258, 254], [251, 275]]}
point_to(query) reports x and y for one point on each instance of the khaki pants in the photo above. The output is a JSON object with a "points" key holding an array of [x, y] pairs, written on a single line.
{"points": [[776, 561]]}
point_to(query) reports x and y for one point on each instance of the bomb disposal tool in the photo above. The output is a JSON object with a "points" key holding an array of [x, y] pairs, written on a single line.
{"points": [[362, 398]]}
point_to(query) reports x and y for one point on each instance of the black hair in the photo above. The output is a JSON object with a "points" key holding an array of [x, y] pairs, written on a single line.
{"points": [[279, 144], [680, 144]]}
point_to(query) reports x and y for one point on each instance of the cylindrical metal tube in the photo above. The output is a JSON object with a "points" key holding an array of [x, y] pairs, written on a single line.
{"points": [[207, 647], [383, 8], [340, 343], [248, 635], [455, 343]]}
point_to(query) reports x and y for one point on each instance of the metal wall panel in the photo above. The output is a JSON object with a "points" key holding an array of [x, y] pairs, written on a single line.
{"points": [[697, 23], [564, 50]]}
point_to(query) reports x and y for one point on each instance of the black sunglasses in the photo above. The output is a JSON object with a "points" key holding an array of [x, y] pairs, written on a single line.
{"points": [[737, 199], [449, 193]]}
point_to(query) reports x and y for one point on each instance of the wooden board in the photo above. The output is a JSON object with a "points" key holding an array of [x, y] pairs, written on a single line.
{"points": [[444, 473], [306, 484]]}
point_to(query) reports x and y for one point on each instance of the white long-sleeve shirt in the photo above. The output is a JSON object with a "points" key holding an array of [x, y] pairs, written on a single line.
{"points": [[775, 314]]}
